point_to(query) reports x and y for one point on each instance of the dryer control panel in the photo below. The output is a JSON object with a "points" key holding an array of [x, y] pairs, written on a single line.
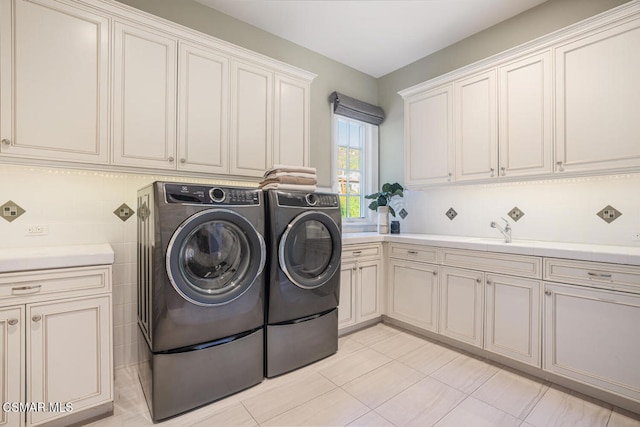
{"points": [[212, 195], [308, 200]]}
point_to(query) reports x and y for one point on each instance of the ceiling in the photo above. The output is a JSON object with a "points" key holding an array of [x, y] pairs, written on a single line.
{"points": [[372, 36]]}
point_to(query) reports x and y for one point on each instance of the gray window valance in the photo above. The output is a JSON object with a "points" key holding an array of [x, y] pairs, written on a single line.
{"points": [[355, 109]]}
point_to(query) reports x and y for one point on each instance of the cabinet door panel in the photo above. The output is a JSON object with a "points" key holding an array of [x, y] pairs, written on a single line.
{"points": [[69, 356], [476, 127], [413, 293], [461, 305], [251, 119], [429, 153], [597, 100], [368, 290], [144, 110], [346, 308], [291, 123], [590, 335], [11, 362], [55, 74], [512, 323], [525, 116], [203, 110]]}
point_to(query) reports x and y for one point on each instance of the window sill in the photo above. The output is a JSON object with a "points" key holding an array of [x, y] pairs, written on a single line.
{"points": [[358, 227]]}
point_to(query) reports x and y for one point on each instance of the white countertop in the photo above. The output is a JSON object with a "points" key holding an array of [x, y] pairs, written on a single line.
{"points": [[25, 259], [581, 251]]}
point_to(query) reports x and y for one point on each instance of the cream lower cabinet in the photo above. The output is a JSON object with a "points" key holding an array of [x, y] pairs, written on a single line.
{"points": [[495, 305], [413, 286], [56, 341], [591, 336], [12, 359], [591, 314], [360, 286]]}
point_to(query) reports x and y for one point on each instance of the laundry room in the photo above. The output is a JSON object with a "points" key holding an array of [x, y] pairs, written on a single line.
{"points": [[102, 99]]}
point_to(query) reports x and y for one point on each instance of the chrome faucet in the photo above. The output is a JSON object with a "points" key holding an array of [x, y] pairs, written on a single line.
{"points": [[506, 231]]}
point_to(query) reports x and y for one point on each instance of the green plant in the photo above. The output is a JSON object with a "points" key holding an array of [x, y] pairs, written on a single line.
{"points": [[383, 197]]}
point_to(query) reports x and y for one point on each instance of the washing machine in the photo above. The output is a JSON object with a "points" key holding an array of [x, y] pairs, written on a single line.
{"points": [[201, 291], [305, 246]]}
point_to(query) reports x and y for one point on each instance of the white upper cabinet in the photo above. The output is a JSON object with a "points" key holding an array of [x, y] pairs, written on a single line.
{"points": [[54, 69], [291, 122], [525, 106], [476, 124], [598, 99], [203, 110], [429, 150], [144, 97], [251, 119]]}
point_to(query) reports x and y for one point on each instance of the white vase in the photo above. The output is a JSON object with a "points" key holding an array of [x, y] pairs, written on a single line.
{"points": [[383, 219]]}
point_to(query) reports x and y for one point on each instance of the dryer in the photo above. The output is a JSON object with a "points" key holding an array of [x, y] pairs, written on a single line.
{"points": [[201, 256], [305, 246]]}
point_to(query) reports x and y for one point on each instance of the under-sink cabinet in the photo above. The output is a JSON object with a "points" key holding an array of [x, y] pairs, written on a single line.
{"points": [[494, 304], [413, 285], [591, 318], [56, 336], [360, 285]]}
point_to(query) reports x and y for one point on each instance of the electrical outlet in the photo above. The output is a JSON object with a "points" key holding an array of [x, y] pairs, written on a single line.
{"points": [[36, 230], [635, 236]]}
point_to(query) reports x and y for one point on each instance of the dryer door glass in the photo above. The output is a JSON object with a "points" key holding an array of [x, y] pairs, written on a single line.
{"points": [[214, 257], [310, 250]]}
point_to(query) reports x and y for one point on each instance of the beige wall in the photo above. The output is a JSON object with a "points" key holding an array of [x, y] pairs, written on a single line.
{"points": [[539, 21], [332, 75]]}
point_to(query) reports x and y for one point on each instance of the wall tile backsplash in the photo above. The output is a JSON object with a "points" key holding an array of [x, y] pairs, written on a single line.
{"points": [[77, 207], [556, 209]]}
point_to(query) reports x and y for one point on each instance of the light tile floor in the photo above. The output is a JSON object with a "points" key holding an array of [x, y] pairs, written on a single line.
{"points": [[383, 376]]}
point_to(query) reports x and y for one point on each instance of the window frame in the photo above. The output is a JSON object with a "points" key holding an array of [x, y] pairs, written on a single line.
{"points": [[369, 171]]}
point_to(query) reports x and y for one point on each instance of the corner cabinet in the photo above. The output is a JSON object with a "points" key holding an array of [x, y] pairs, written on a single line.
{"points": [[429, 146], [56, 335], [413, 285], [54, 79], [360, 285]]}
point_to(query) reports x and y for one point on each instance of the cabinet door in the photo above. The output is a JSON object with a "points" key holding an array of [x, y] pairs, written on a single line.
{"points": [[54, 64], [251, 119], [525, 136], [429, 143], [70, 354], [368, 291], [512, 322], [11, 363], [476, 126], [144, 98], [598, 99], [413, 293], [591, 336], [461, 305], [346, 308], [203, 110], [291, 122]]}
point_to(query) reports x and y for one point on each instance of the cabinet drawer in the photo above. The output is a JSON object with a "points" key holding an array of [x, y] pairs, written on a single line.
{"points": [[413, 253], [361, 251], [595, 274], [62, 282], [516, 265]]}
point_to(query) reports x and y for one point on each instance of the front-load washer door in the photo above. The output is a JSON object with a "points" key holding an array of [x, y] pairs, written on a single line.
{"points": [[214, 257], [310, 249]]}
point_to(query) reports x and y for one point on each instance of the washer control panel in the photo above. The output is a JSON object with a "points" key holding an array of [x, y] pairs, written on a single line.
{"points": [[308, 200], [212, 195]]}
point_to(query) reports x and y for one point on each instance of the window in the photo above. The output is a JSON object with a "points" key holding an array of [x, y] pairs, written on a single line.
{"points": [[355, 167]]}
